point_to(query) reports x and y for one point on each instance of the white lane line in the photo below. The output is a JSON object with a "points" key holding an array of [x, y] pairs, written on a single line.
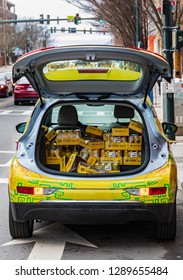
{"points": [[6, 112], [6, 164], [27, 113], [7, 152], [3, 180]]}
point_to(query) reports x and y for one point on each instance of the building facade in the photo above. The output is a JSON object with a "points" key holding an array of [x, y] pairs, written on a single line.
{"points": [[7, 12]]}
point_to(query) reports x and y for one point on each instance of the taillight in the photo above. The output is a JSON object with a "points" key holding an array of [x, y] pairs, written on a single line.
{"points": [[36, 191], [16, 145], [156, 191], [25, 190], [146, 191], [19, 87]]}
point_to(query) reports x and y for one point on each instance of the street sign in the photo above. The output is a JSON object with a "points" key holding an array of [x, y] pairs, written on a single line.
{"points": [[177, 38]]}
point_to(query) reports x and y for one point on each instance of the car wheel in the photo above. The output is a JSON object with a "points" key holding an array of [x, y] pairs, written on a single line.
{"points": [[20, 229], [16, 102], [166, 231]]}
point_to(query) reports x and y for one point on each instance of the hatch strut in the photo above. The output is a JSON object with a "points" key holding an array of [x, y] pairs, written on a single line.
{"points": [[37, 87], [147, 89]]}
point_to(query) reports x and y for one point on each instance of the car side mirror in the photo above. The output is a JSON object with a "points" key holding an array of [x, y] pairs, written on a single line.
{"points": [[21, 127], [169, 128]]}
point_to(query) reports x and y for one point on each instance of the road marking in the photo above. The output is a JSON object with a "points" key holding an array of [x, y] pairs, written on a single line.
{"points": [[7, 152], [5, 112], [3, 180], [6, 164], [50, 242], [16, 112]]}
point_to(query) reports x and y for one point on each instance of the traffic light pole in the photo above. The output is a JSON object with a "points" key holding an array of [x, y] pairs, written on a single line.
{"points": [[42, 20], [167, 29]]}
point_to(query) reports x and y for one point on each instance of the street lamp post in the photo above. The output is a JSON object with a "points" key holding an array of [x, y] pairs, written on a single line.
{"points": [[167, 30]]}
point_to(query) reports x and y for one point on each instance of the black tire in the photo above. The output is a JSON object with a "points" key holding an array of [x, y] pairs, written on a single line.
{"points": [[20, 229], [16, 102], [166, 231]]}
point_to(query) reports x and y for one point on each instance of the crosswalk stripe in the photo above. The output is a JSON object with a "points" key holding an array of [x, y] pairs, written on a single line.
{"points": [[3, 180], [15, 112], [6, 164]]}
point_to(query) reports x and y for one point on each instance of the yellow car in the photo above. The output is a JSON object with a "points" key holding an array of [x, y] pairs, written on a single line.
{"points": [[93, 150]]}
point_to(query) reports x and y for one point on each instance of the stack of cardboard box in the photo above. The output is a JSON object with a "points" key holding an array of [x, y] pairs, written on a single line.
{"points": [[97, 152]]}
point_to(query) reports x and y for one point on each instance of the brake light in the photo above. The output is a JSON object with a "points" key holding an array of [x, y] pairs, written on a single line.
{"points": [[19, 87], [146, 191], [16, 145], [92, 70], [35, 191], [156, 191], [2, 86], [25, 190]]}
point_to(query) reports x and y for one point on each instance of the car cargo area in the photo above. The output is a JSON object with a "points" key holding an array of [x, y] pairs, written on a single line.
{"points": [[92, 139]]}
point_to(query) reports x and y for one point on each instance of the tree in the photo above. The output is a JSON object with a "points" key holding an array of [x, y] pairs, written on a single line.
{"points": [[24, 36], [120, 16]]}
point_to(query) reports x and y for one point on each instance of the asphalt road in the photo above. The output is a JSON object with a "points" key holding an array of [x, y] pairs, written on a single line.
{"points": [[132, 241]]}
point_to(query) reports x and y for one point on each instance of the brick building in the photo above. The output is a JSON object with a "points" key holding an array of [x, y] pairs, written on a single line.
{"points": [[7, 11]]}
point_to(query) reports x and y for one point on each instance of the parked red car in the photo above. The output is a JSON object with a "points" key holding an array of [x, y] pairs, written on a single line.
{"points": [[24, 92], [6, 86]]}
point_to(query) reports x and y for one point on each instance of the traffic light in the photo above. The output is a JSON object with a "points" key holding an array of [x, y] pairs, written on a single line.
{"points": [[41, 17], [77, 19], [84, 30], [48, 19], [55, 29], [101, 20], [51, 29]]}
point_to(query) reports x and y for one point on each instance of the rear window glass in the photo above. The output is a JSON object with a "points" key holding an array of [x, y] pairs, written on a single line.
{"points": [[112, 70], [95, 115]]}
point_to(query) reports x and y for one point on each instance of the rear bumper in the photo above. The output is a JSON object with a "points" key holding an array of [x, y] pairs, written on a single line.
{"points": [[26, 99], [92, 212]]}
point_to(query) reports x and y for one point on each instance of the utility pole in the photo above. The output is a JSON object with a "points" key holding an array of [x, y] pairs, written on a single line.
{"points": [[167, 29]]}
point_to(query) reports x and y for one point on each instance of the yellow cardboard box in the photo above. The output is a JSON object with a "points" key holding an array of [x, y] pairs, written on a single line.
{"points": [[94, 131], [116, 145], [120, 131], [52, 160], [92, 160], [51, 135], [62, 164], [85, 168], [117, 159], [132, 160], [136, 126], [67, 141], [134, 146], [91, 143], [72, 163]]}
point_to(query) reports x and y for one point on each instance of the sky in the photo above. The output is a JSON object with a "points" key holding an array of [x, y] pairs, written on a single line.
{"points": [[61, 9], [33, 8]]}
